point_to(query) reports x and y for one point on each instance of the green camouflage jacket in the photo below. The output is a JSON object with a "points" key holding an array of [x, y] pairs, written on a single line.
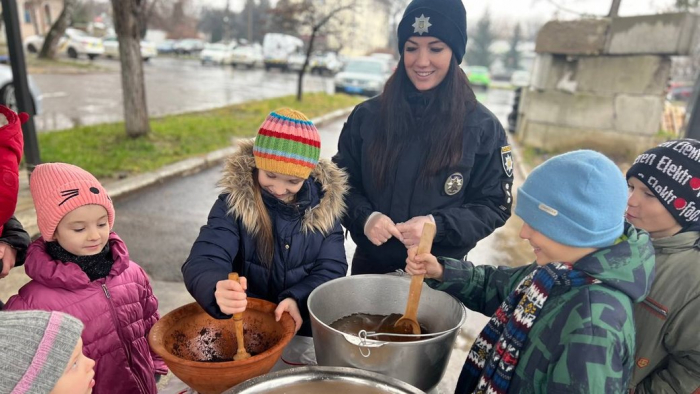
{"points": [[583, 340]]}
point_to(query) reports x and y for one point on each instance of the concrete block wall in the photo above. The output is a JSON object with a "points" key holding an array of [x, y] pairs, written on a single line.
{"points": [[665, 34], [673, 34], [601, 84], [606, 100]]}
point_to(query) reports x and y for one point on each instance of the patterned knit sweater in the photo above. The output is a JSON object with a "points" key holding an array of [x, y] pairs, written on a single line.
{"points": [[583, 340]]}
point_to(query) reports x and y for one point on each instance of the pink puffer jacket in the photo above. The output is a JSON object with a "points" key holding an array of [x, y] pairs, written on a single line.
{"points": [[118, 312]]}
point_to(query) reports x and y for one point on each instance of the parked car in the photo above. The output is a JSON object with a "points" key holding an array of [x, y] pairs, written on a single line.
{"points": [[111, 46], [325, 63], [296, 60], [478, 76], [188, 46], [167, 46], [247, 55], [74, 43], [7, 91], [388, 58], [78, 43], [679, 91], [33, 44], [520, 78], [217, 53], [365, 75], [277, 49]]}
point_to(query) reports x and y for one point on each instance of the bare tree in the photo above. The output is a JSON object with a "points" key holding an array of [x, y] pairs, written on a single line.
{"points": [[395, 9], [126, 23], [50, 46], [149, 10], [307, 14]]}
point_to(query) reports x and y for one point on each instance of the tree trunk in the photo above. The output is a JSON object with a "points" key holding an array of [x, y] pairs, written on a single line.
{"points": [[50, 46], [126, 24], [309, 50]]}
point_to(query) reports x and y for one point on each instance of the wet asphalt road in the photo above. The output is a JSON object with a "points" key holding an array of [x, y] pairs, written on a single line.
{"points": [[173, 85]]}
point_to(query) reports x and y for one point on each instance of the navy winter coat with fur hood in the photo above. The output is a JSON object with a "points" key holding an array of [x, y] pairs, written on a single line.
{"points": [[309, 248]]}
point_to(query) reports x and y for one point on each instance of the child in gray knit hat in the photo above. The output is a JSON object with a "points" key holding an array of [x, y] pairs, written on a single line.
{"points": [[42, 353]]}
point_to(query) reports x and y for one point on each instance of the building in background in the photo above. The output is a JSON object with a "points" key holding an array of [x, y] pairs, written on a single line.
{"points": [[37, 16], [364, 28], [357, 31]]}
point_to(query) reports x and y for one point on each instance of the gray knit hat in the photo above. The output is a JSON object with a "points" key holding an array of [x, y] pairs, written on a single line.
{"points": [[35, 348]]}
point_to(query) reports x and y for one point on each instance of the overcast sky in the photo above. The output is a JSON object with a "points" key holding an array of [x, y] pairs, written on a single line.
{"points": [[519, 9]]}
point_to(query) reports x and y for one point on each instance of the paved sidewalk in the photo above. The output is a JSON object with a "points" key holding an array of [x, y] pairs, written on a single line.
{"points": [[170, 294]]}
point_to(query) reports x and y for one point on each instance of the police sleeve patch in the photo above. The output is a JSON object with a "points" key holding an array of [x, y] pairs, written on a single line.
{"points": [[507, 187], [507, 160]]}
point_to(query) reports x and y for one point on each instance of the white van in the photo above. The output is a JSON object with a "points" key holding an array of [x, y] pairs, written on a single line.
{"points": [[277, 48]]}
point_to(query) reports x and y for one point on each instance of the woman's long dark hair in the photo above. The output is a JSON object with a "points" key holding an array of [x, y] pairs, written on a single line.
{"points": [[444, 120]]}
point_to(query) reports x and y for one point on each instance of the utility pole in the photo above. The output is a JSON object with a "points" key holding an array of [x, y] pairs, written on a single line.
{"points": [[250, 21], [19, 81], [226, 20], [614, 9]]}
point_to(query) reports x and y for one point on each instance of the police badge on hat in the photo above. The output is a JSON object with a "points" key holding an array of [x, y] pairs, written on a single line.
{"points": [[421, 25], [454, 184], [507, 160]]}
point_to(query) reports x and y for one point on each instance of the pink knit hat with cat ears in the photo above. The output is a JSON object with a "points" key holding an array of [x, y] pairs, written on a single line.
{"points": [[59, 188]]}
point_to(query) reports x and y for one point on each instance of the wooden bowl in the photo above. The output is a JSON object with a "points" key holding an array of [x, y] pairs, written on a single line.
{"points": [[199, 349]]}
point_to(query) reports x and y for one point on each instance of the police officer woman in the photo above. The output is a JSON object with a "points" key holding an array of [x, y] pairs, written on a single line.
{"points": [[424, 150]]}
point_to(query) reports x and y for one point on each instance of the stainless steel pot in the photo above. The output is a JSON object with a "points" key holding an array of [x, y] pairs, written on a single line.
{"points": [[420, 363], [323, 380]]}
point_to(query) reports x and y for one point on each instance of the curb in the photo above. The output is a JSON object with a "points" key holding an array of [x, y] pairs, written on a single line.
{"points": [[124, 187]]}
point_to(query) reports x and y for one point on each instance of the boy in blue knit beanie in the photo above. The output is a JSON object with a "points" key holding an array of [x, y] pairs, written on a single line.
{"points": [[563, 323]]}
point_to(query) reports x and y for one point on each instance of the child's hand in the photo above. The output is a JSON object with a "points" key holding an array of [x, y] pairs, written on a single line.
{"points": [[8, 256], [230, 295], [290, 306], [423, 264]]}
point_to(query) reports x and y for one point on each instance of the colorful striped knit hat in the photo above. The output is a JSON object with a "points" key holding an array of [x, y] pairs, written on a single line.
{"points": [[36, 348], [287, 143]]}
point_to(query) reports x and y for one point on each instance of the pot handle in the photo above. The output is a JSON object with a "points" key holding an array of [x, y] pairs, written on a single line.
{"points": [[361, 342]]}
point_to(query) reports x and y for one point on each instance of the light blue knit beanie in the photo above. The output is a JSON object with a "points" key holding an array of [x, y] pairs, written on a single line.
{"points": [[577, 199]]}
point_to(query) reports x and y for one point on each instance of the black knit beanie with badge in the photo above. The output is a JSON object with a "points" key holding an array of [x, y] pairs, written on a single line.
{"points": [[442, 19], [672, 172]]}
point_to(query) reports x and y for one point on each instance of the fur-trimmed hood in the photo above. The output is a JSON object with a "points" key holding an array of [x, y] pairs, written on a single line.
{"points": [[237, 182]]}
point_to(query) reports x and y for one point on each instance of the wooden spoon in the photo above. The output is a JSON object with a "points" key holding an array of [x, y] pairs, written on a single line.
{"points": [[409, 321], [241, 354]]}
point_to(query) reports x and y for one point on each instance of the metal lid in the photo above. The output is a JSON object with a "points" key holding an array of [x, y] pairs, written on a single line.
{"points": [[322, 380]]}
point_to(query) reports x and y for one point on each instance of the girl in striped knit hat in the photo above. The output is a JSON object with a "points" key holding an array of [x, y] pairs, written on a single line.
{"points": [[276, 223]]}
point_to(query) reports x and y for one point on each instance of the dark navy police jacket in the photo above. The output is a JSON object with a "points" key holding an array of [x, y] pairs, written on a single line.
{"points": [[468, 201]]}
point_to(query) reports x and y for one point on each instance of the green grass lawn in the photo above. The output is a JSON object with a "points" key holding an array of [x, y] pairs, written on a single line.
{"points": [[106, 151], [60, 66]]}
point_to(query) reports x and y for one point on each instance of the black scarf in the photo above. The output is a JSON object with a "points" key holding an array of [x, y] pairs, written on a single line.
{"points": [[96, 266]]}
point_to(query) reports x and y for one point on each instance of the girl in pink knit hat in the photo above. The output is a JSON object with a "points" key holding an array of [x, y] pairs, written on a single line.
{"points": [[80, 267]]}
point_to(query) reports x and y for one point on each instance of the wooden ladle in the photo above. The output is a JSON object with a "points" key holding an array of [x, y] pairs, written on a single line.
{"points": [[409, 321], [241, 354]]}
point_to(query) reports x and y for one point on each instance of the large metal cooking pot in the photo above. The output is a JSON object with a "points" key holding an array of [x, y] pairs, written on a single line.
{"points": [[420, 363], [323, 380]]}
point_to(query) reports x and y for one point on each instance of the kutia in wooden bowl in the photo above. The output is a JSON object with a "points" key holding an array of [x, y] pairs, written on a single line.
{"points": [[199, 349]]}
